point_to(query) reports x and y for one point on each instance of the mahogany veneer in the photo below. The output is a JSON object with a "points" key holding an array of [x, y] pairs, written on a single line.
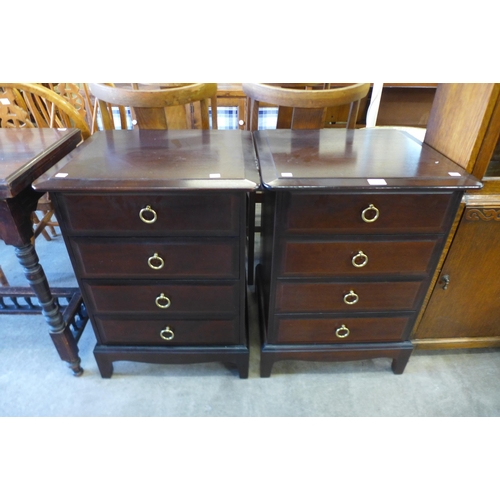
{"points": [[155, 225], [353, 225]]}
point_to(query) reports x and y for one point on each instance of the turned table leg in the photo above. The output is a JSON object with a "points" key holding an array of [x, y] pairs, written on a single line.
{"points": [[60, 332]]}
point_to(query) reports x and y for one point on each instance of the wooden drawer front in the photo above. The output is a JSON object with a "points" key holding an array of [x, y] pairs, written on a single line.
{"points": [[390, 258], [323, 330], [186, 332], [166, 299], [183, 214], [329, 214], [331, 297], [103, 258]]}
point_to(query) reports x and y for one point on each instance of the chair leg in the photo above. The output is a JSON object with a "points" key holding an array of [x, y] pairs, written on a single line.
{"points": [[38, 228], [49, 223], [3, 278], [45, 223]]}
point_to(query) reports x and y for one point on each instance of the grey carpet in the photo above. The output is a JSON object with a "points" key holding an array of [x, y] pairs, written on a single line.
{"points": [[34, 382]]}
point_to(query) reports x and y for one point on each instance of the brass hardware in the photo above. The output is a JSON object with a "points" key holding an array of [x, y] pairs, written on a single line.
{"points": [[148, 209], [360, 255], [157, 258], [351, 298], [446, 280], [370, 208], [167, 333], [343, 328], [164, 299]]}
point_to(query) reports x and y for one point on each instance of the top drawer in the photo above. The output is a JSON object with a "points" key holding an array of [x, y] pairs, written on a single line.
{"points": [[365, 213], [175, 214]]}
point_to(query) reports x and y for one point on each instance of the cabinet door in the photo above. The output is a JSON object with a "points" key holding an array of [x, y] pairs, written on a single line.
{"points": [[465, 302]]}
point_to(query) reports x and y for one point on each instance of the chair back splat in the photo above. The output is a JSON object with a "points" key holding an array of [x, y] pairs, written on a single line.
{"points": [[300, 106], [303, 105], [48, 105], [37, 105], [158, 106]]}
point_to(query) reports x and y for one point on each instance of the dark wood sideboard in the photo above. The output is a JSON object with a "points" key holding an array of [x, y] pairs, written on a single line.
{"points": [[353, 225], [155, 226]]}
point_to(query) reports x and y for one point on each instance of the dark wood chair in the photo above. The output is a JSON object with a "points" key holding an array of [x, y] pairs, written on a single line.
{"points": [[160, 106], [300, 106]]}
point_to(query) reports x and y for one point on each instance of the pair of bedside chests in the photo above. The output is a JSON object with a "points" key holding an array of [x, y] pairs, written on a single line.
{"points": [[159, 226]]}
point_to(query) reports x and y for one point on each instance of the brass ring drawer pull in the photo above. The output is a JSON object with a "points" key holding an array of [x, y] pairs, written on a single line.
{"points": [[148, 210], [156, 262], [167, 333], [162, 301], [370, 208], [342, 332], [360, 259], [351, 298]]}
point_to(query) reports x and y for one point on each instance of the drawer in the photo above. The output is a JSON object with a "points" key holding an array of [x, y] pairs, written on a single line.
{"points": [[175, 214], [164, 298], [393, 213], [357, 258], [127, 257], [331, 297], [341, 330], [175, 332]]}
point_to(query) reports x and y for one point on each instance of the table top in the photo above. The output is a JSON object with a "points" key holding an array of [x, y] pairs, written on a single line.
{"points": [[25, 154], [354, 159], [158, 160]]}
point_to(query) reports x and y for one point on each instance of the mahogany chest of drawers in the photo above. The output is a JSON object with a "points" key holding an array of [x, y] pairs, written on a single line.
{"points": [[353, 225], [155, 225]]}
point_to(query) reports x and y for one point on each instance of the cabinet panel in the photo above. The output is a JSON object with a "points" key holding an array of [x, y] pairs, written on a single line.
{"points": [[469, 305]]}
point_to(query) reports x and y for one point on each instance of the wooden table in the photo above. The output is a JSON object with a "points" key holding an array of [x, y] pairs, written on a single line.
{"points": [[25, 154]]}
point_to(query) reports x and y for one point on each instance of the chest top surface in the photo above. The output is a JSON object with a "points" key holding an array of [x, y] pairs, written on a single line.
{"points": [[354, 159], [157, 160], [27, 153]]}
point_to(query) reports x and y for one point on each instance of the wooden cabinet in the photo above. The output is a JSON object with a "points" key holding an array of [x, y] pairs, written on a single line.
{"points": [[465, 302], [462, 306], [155, 225], [353, 225]]}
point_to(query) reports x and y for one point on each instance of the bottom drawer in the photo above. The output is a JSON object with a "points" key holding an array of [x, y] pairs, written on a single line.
{"points": [[335, 330], [168, 332]]}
